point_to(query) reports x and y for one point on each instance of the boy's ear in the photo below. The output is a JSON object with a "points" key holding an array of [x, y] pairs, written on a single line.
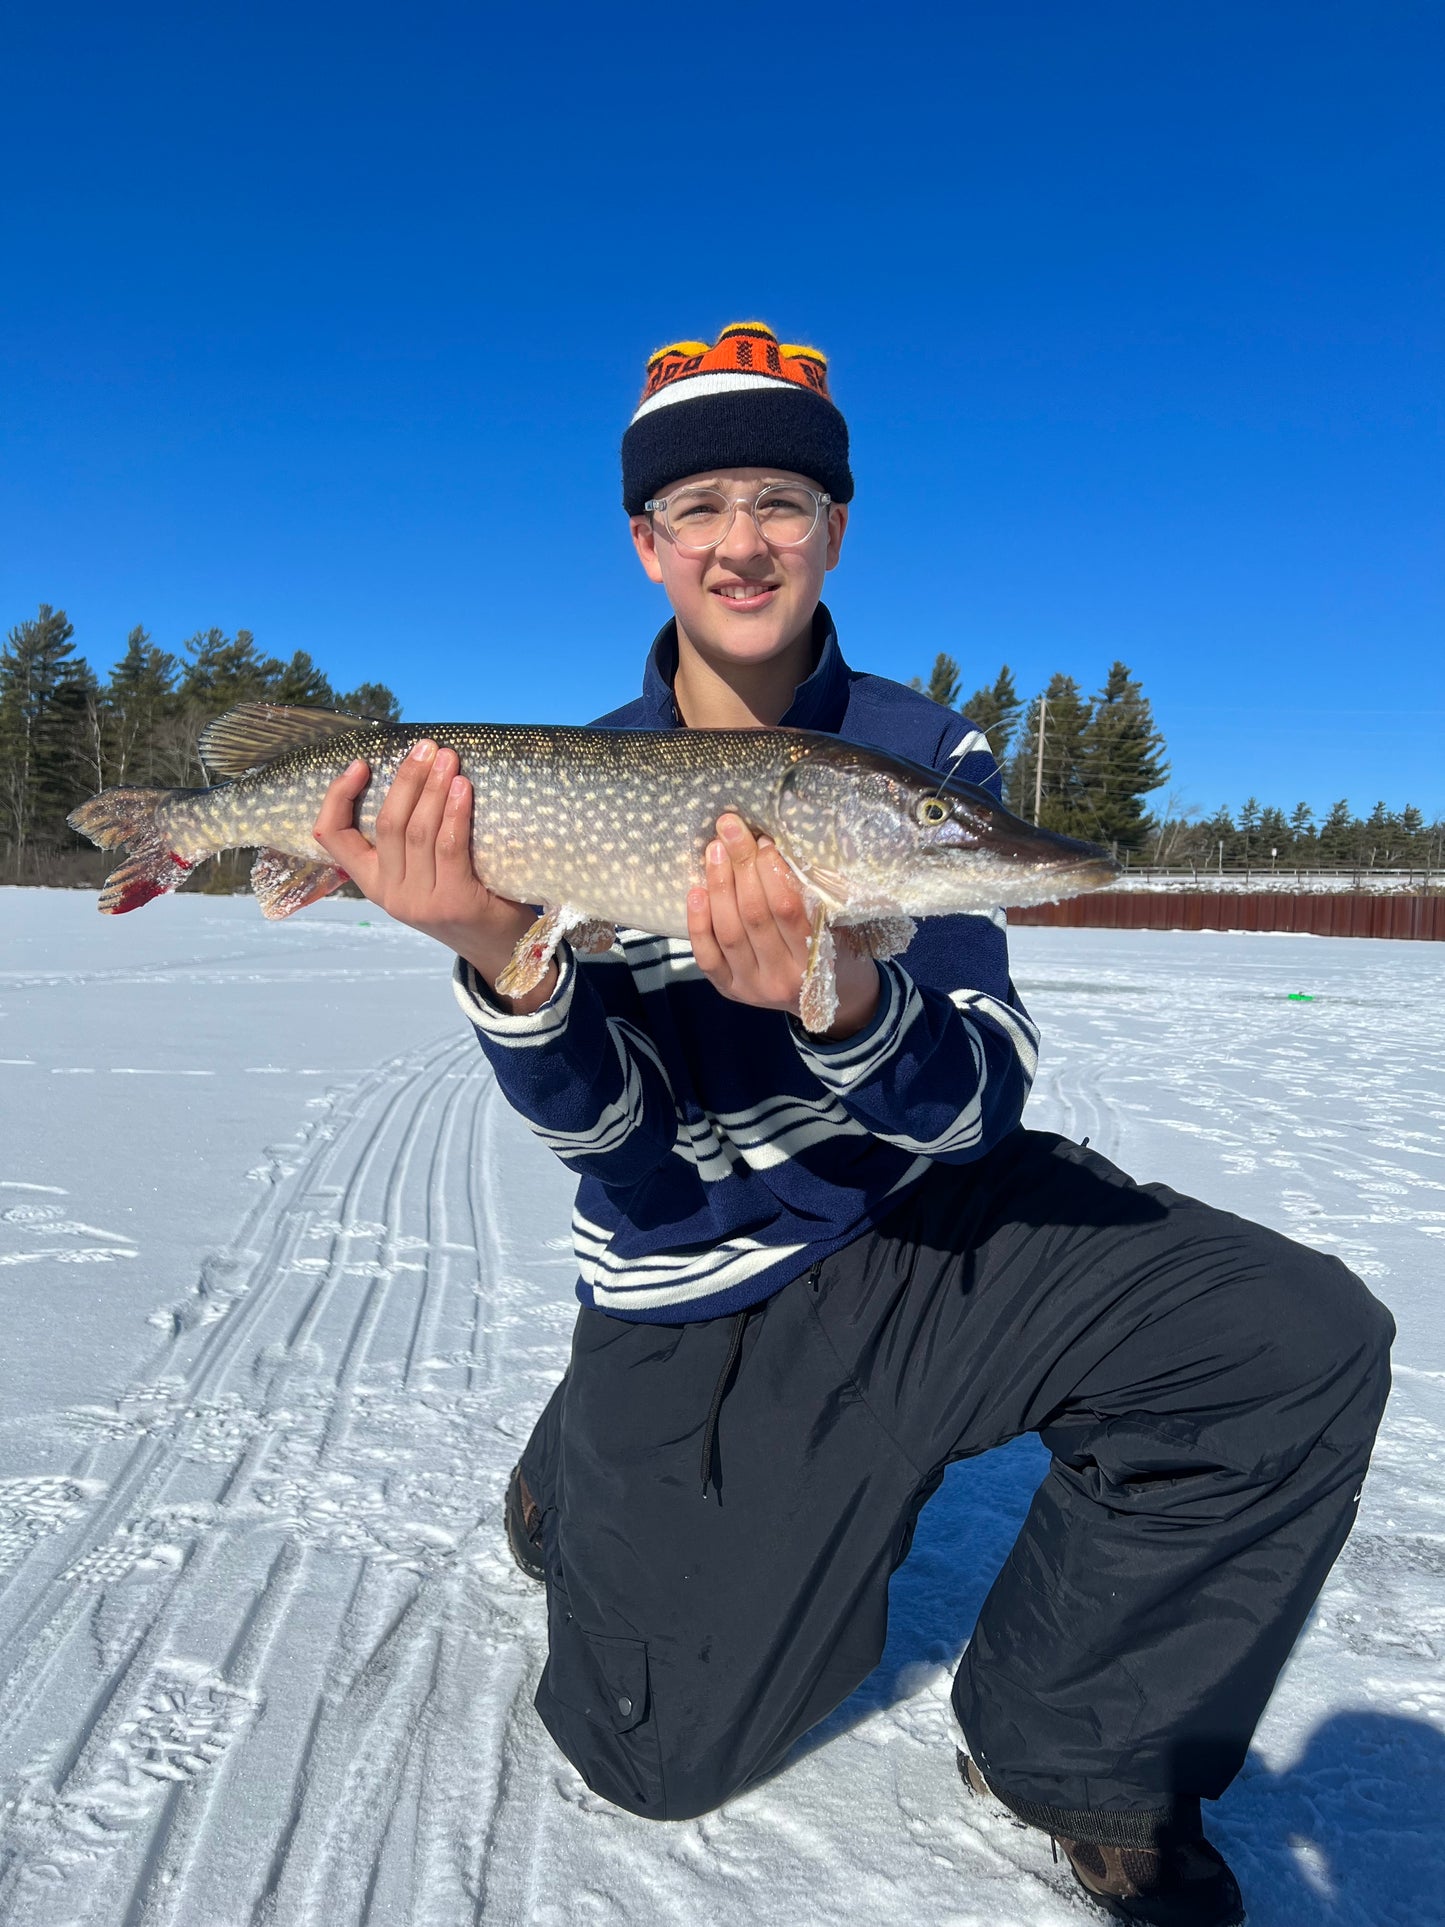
{"points": [[644, 540], [837, 523]]}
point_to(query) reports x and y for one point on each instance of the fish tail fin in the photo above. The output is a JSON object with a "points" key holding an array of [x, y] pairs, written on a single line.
{"points": [[126, 818]]}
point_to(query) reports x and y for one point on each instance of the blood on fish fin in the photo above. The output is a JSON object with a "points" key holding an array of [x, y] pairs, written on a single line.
{"points": [[880, 936], [282, 883], [528, 963], [252, 733], [128, 816], [818, 1003]]}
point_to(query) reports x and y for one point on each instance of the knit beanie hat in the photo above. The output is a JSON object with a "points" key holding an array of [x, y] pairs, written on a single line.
{"points": [[749, 401]]}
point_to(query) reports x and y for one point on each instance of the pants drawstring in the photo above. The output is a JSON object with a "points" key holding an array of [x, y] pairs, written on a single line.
{"points": [[720, 1392]]}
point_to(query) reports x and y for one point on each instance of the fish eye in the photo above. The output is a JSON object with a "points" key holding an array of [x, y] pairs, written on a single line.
{"points": [[930, 810]]}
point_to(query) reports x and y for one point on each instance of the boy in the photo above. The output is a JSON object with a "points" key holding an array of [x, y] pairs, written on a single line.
{"points": [[815, 1270]]}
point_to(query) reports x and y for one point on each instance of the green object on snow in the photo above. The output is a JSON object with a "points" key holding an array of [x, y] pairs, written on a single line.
{"points": [[1301, 997], [363, 924]]}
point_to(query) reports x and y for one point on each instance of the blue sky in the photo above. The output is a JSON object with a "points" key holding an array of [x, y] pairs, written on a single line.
{"points": [[326, 322]]}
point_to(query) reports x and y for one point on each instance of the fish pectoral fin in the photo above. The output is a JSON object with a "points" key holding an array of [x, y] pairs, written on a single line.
{"points": [[819, 885], [252, 733], [282, 884], [528, 963], [880, 936], [818, 1003]]}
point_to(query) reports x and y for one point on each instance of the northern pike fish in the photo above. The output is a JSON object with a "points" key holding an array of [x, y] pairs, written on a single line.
{"points": [[606, 827]]}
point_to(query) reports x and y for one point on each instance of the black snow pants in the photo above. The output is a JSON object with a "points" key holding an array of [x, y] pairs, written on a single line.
{"points": [[1209, 1392]]}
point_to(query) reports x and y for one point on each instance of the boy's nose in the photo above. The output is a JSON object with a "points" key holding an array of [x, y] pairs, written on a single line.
{"points": [[742, 543]]}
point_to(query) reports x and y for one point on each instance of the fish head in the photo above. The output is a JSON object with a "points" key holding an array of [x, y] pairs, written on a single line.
{"points": [[873, 834]]}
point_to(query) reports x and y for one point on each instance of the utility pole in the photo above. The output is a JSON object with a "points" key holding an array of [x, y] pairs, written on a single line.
{"points": [[1039, 761]]}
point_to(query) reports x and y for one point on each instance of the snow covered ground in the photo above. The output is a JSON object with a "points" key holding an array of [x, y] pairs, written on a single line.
{"points": [[1383, 883], [282, 1283]]}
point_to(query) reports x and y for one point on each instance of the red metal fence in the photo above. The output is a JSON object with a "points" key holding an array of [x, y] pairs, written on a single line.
{"points": [[1318, 914]]}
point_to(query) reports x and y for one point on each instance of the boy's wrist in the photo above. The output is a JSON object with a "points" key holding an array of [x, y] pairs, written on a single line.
{"points": [[488, 968], [858, 994]]}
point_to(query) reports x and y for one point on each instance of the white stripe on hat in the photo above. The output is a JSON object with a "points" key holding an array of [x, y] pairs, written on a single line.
{"points": [[722, 381]]}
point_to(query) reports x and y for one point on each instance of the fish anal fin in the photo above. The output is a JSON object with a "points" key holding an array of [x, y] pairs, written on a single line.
{"points": [[818, 1002], [252, 733], [283, 884]]}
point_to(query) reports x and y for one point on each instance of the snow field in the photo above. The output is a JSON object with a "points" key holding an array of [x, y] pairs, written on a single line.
{"points": [[283, 1283]]}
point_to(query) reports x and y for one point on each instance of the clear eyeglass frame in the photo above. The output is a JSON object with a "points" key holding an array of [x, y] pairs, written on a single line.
{"points": [[664, 505]]}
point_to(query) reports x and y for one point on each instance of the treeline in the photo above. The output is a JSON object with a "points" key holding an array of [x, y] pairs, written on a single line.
{"points": [[1261, 837], [1103, 758], [66, 732]]}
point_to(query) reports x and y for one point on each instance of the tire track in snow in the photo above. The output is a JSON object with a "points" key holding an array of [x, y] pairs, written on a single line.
{"points": [[230, 1303], [163, 1844]]}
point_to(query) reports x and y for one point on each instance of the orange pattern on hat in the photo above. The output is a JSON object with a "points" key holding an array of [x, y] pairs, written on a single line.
{"points": [[743, 347]]}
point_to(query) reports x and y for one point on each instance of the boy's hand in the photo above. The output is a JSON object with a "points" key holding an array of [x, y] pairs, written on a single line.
{"points": [[420, 868], [749, 932]]}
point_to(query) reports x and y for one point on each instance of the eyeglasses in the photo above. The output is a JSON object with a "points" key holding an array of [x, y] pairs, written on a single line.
{"points": [[697, 519]]}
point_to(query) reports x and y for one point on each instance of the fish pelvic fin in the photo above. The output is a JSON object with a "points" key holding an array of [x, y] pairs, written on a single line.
{"points": [[127, 818], [818, 1002], [254, 733], [282, 884]]}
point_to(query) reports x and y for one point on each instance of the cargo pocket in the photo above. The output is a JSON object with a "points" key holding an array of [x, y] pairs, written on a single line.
{"points": [[595, 1699]]}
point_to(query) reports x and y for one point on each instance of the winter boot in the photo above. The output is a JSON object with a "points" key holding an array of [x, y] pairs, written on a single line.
{"points": [[523, 1519], [1176, 1882]]}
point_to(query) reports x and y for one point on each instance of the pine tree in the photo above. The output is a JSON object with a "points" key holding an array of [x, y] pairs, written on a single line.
{"points": [[1219, 837], [300, 681], [138, 699], [1065, 804], [44, 687], [1122, 760], [1338, 834], [995, 710], [1273, 835], [371, 699], [225, 670], [1301, 830], [942, 684], [1248, 827]]}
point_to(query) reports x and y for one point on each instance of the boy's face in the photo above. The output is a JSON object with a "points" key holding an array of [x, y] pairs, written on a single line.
{"points": [[741, 602]]}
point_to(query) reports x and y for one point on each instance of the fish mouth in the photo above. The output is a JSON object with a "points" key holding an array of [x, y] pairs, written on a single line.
{"points": [[1090, 872]]}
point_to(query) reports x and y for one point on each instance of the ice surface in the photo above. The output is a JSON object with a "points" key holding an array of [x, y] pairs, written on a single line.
{"points": [[282, 1285]]}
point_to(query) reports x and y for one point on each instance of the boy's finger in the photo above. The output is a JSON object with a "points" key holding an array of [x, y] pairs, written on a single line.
{"points": [[395, 812], [754, 911], [424, 824], [723, 907], [710, 959], [454, 838], [335, 827], [785, 899]]}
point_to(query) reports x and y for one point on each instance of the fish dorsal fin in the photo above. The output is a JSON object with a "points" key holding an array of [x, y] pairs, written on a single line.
{"points": [[252, 733]]}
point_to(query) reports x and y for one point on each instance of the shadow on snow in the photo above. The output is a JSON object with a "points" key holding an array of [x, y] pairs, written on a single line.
{"points": [[1347, 1835]]}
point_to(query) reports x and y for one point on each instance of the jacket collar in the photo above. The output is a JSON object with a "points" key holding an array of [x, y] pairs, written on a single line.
{"points": [[819, 701]]}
